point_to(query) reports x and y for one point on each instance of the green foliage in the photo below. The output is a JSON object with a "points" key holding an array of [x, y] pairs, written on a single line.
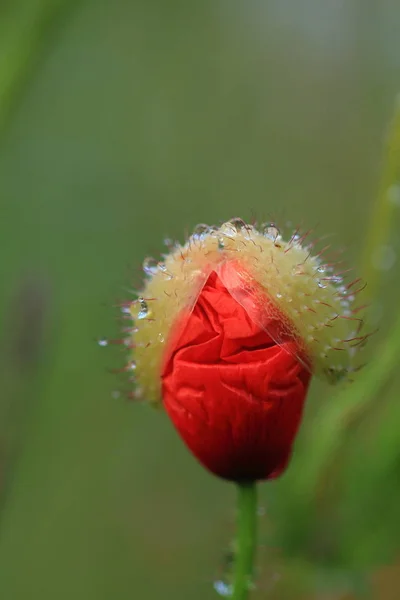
{"points": [[344, 474], [124, 122], [26, 27], [339, 505]]}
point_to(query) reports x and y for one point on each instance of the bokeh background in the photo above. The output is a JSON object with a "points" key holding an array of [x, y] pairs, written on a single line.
{"points": [[122, 123]]}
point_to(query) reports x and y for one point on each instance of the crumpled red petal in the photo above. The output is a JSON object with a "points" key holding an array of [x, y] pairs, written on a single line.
{"points": [[234, 395]]}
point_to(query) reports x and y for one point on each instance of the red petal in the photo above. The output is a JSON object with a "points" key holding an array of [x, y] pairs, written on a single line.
{"points": [[234, 395]]}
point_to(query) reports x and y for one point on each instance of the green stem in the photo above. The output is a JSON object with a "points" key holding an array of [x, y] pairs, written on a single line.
{"points": [[246, 539]]}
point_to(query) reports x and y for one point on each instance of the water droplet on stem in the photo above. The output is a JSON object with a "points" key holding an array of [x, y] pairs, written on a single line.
{"points": [[223, 589]]}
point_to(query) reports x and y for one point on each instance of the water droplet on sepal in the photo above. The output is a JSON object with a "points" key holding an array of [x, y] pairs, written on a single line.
{"points": [[270, 231], [201, 231], [150, 266], [143, 310], [229, 229], [163, 268]]}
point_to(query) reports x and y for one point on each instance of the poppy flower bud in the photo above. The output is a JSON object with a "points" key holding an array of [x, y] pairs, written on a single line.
{"points": [[228, 330]]}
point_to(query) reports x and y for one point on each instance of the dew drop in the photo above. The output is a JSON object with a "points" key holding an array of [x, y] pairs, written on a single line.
{"points": [[247, 232], [201, 231], [200, 228], [321, 285], [131, 366], [221, 243], [278, 295], [144, 310], [228, 229], [270, 231], [161, 337], [103, 342], [321, 269], [336, 279], [237, 224], [170, 243], [163, 268], [223, 589], [150, 266]]}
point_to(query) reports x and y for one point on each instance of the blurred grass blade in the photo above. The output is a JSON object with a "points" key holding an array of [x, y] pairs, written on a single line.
{"points": [[344, 409], [26, 27], [387, 202], [319, 459], [23, 345]]}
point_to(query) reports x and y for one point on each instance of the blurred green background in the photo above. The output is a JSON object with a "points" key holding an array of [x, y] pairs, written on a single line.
{"points": [[122, 123]]}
